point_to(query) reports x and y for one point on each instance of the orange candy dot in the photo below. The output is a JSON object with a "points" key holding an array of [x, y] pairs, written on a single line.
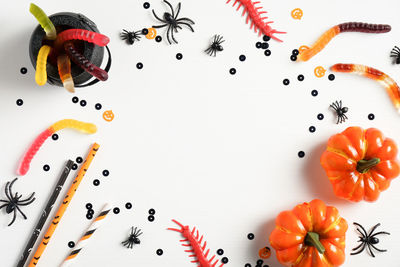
{"points": [[264, 253], [152, 33], [108, 115], [297, 13], [319, 71]]}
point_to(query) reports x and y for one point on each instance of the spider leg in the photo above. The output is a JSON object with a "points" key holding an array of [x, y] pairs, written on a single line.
{"points": [[2, 206], [23, 214], [359, 246], [13, 220], [160, 26], [370, 250], [380, 250], [214, 52], [10, 187], [386, 233], [7, 192], [186, 19], [340, 103], [373, 229], [178, 9], [207, 51], [28, 199], [184, 23], [337, 122], [361, 250], [169, 29], [362, 228], [139, 233], [170, 6], [155, 15]]}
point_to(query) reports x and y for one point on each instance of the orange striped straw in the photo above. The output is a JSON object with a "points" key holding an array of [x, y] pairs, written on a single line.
{"points": [[63, 206]]}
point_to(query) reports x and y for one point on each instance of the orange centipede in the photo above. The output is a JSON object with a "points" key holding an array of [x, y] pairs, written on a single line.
{"points": [[327, 36], [391, 86]]}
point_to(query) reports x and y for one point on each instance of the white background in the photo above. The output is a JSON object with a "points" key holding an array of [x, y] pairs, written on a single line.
{"points": [[195, 143]]}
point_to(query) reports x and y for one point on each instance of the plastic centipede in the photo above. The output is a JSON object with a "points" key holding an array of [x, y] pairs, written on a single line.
{"points": [[257, 18], [84, 35], [84, 127], [197, 246], [391, 86], [344, 27]]}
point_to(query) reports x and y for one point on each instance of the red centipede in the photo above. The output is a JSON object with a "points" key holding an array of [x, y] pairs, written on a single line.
{"points": [[81, 34], [198, 247], [257, 18]]}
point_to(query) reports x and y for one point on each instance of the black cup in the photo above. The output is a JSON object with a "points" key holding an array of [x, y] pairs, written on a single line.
{"points": [[65, 21]]}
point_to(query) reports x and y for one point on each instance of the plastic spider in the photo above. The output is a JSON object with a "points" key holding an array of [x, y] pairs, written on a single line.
{"points": [[368, 240], [171, 20], [130, 37], [396, 54], [340, 111], [13, 202], [133, 238], [215, 46]]}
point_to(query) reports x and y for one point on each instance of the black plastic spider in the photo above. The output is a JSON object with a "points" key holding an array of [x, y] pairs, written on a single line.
{"points": [[396, 54], [171, 20], [133, 238], [130, 37], [340, 111], [368, 240], [14, 201], [215, 46]]}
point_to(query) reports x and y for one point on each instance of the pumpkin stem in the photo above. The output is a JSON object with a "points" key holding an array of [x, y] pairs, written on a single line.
{"points": [[364, 165], [312, 239]]}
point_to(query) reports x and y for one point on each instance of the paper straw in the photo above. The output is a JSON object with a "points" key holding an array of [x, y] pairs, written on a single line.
{"points": [[86, 237], [45, 213], [68, 197]]}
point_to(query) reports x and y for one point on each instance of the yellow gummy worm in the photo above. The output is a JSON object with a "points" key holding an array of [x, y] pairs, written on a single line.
{"points": [[44, 21], [41, 63], [84, 127]]}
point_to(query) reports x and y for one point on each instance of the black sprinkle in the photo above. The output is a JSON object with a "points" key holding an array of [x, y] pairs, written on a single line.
{"points": [[247, 265], [158, 39], [54, 137], [89, 206], [150, 218], [320, 116], [293, 58], [266, 265], [71, 244], [20, 102], [90, 211], [232, 71], [264, 45], [295, 52], [300, 77], [152, 211], [75, 99], [224, 260], [79, 160], [331, 77], [98, 106], [146, 5], [259, 262], [220, 251], [139, 65], [311, 129], [371, 116], [23, 70], [83, 103], [267, 52], [116, 210], [128, 205], [96, 182], [301, 154], [242, 57], [266, 38], [286, 81], [159, 252], [106, 173], [89, 216], [314, 92], [46, 168], [74, 166], [145, 31], [250, 236], [258, 44], [179, 56]]}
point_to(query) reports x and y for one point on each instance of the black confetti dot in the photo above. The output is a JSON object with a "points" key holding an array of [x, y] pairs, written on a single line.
{"points": [[106, 173], [145, 31], [220, 251], [295, 52], [286, 81], [314, 92], [150, 218], [19, 102], [98, 106], [75, 99], [139, 65], [331, 77], [146, 5], [90, 211], [232, 71], [266, 265], [247, 265], [46, 168], [128, 205], [293, 58], [300, 77], [152, 211], [320, 116], [301, 154], [264, 45], [159, 252], [371, 116], [266, 38], [96, 182], [71, 244], [54, 137], [83, 102], [89, 216], [242, 57], [23, 70], [311, 129], [74, 166], [179, 56], [116, 210], [158, 38], [259, 262], [250, 236], [89, 206], [224, 260], [258, 44], [267, 52], [79, 160]]}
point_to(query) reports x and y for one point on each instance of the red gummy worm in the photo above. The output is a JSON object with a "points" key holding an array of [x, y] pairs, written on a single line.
{"points": [[81, 34], [364, 27], [84, 63]]}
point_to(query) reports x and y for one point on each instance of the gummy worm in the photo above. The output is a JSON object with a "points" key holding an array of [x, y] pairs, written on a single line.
{"points": [[44, 21], [84, 127], [391, 86], [255, 16], [84, 63], [81, 34], [344, 27], [41, 65], [64, 70]]}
